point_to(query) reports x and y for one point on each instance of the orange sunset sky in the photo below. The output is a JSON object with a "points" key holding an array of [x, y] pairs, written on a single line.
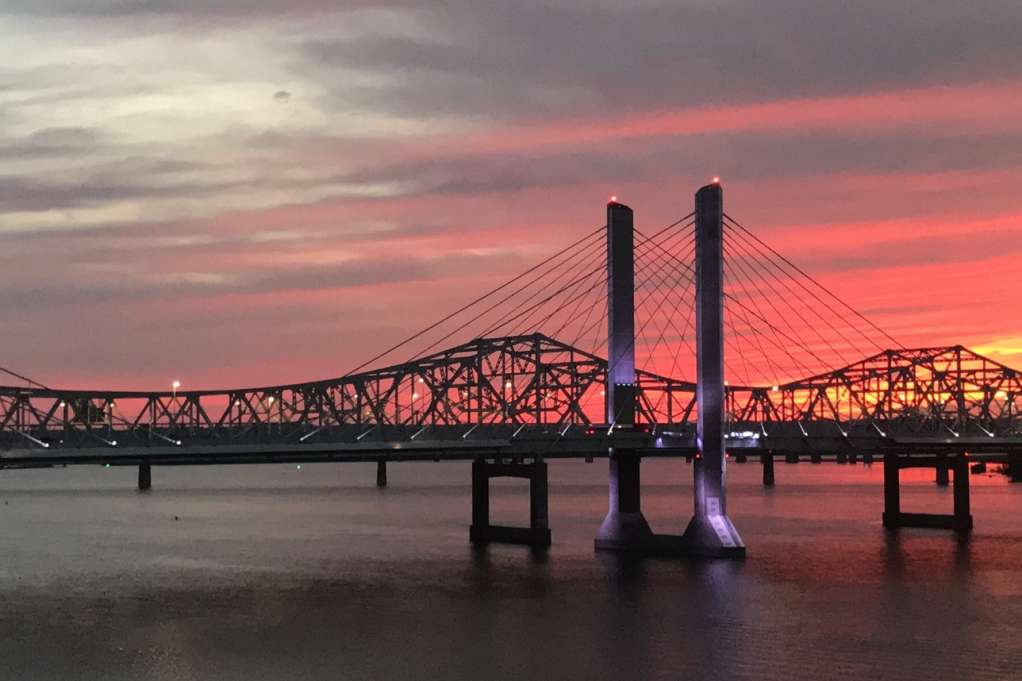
{"points": [[190, 190]]}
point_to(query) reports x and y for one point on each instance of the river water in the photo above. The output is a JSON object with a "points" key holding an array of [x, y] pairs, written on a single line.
{"points": [[280, 572]]}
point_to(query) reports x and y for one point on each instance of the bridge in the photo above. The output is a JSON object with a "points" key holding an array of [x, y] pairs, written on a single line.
{"points": [[545, 366]]}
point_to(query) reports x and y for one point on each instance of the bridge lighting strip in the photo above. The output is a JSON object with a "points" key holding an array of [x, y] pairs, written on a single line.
{"points": [[162, 437], [305, 437], [44, 445]]}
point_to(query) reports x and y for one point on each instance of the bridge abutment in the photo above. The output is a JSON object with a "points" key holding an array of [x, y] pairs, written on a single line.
{"points": [[537, 534]]}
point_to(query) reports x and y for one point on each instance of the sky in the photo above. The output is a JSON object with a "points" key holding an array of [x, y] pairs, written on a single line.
{"points": [[235, 193]]}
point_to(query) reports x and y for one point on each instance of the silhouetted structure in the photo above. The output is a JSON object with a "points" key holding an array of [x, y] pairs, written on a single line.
{"points": [[510, 401]]}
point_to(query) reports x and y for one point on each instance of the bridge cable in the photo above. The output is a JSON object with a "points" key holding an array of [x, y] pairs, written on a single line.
{"points": [[564, 270], [789, 294], [661, 279], [731, 278], [767, 268], [612, 361], [810, 278], [678, 291], [741, 275], [728, 296], [687, 285], [561, 270], [476, 301], [733, 344], [527, 325], [28, 380]]}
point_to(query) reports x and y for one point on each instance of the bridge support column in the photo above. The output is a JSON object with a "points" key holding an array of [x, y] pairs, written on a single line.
{"points": [[710, 532], [145, 476], [960, 520], [892, 491], [1015, 467], [381, 473], [853, 458], [942, 470], [867, 459], [842, 457], [537, 534], [816, 458], [768, 469], [791, 458], [963, 513]]}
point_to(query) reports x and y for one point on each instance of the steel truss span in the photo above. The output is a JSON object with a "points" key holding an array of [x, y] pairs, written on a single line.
{"points": [[492, 392]]}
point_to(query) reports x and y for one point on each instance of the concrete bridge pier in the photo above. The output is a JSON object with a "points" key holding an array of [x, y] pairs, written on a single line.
{"points": [[816, 458], [841, 457], [960, 520], [381, 472], [1015, 466], [942, 470], [537, 534], [145, 476], [768, 469]]}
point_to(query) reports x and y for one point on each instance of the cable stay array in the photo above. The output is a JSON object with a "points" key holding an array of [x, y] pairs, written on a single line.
{"points": [[787, 325]]}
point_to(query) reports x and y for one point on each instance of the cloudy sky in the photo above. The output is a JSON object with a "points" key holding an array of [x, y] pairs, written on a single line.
{"points": [[249, 192]]}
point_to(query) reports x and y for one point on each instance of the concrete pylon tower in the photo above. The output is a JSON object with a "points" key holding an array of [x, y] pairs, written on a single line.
{"points": [[624, 528], [710, 532]]}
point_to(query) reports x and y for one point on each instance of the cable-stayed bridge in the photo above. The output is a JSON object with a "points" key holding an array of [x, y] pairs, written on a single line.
{"points": [[693, 340]]}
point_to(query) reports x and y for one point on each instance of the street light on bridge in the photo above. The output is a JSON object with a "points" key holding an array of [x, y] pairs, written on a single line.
{"points": [[173, 387]]}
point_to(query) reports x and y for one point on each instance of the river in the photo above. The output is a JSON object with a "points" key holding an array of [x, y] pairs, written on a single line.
{"points": [[287, 573]]}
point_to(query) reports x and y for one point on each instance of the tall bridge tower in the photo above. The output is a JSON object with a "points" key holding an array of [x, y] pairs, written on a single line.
{"points": [[710, 533]]}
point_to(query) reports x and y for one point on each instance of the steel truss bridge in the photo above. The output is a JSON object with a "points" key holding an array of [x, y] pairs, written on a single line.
{"points": [[519, 395], [529, 385]]}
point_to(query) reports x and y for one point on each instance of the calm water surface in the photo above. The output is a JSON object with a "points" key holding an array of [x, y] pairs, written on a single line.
{"points": [[271, 572]]}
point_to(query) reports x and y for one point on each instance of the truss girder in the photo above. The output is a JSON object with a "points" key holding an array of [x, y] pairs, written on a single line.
{"points": [[528, 380]]}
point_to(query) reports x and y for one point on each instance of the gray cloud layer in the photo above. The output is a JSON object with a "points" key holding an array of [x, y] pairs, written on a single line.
{"points": [[134, 135]]}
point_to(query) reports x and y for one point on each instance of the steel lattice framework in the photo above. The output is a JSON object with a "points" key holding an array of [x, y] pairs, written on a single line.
{"points": [[947, 391], [522, 382]]}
